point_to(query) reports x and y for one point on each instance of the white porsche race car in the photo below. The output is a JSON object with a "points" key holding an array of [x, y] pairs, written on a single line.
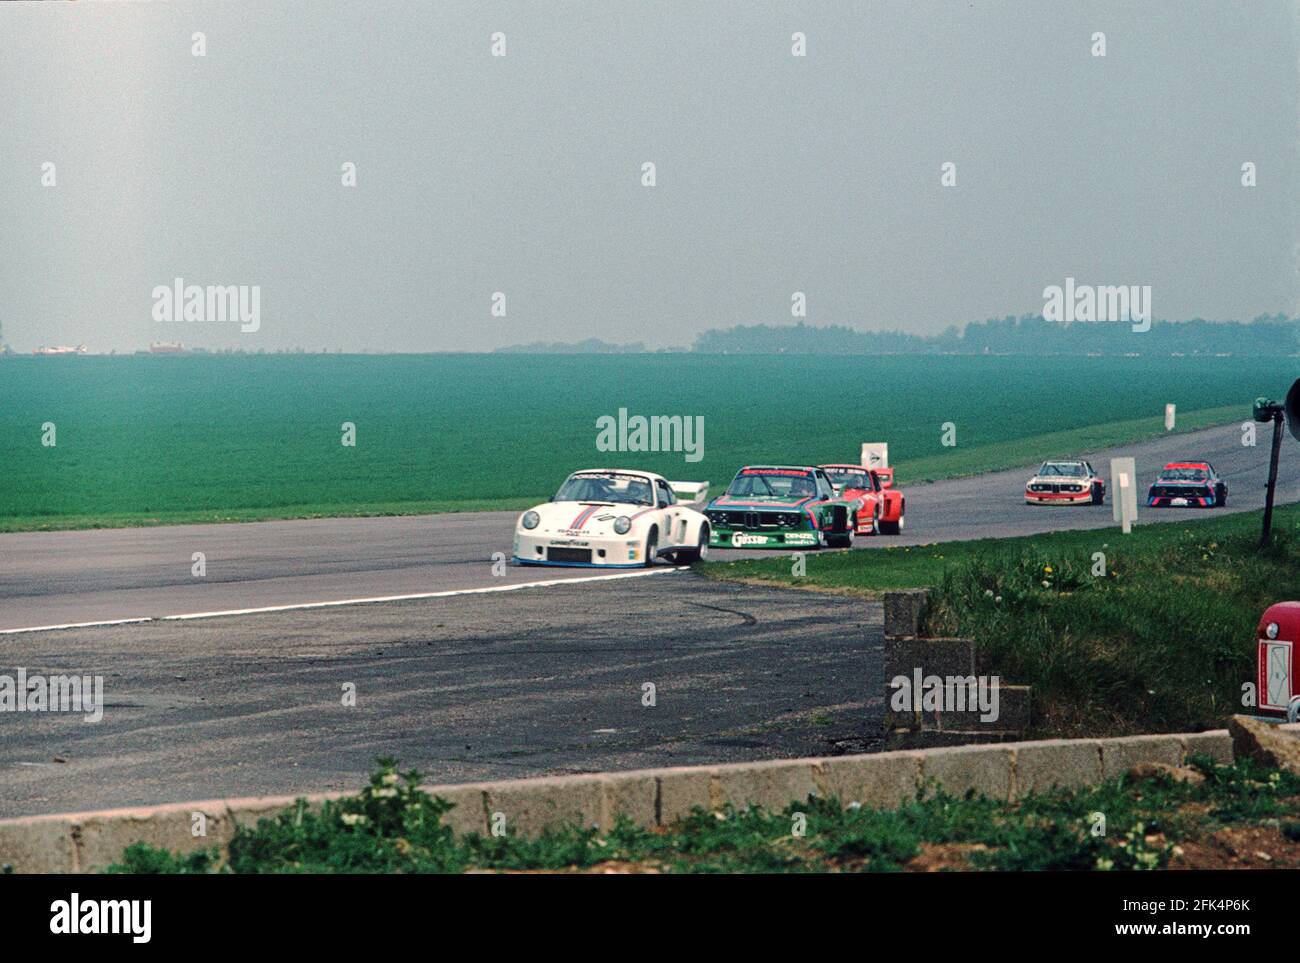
{"points": [[615, 518]]}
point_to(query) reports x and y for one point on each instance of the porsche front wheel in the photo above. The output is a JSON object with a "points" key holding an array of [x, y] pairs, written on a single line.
{"points": [[700, 553], [651, 547]]}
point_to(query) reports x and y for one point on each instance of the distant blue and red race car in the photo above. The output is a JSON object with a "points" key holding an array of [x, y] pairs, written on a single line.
{"points": [[1188, 483]]}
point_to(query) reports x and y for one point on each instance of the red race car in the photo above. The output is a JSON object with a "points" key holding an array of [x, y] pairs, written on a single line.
{"points": [[880, 504]]}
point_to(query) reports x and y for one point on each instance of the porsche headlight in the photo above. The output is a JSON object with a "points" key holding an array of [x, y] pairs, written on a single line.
{"points": [[531, 519], [622, 524]]}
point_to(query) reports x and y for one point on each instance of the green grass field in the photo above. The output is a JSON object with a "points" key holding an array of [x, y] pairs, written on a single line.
{"points": [[155, 439]]}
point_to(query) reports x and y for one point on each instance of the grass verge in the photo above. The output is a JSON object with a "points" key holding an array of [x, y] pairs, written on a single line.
{"points": [[952, 463], [1016, 453], [1149, 632], [59, 523], [1202, 817]]}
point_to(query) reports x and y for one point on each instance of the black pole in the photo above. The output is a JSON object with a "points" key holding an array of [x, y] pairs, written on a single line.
{"points": [[1272, 478]]}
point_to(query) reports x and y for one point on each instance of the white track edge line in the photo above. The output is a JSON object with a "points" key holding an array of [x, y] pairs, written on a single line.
{"points": [[76, 625], [337, 602]]}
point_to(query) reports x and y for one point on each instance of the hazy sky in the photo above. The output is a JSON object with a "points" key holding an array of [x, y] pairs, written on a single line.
{"points": [[522, 174]]}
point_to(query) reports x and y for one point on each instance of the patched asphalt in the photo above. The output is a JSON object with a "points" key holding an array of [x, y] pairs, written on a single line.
{"points": [[535, 682]]}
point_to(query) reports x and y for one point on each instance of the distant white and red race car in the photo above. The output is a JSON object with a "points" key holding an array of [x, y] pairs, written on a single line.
{"points": [[880, 506], [1065, 483], [615, 518]]}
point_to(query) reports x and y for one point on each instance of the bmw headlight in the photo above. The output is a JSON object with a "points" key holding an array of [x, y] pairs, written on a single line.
{"points": [[531, 519], [622, 524]]}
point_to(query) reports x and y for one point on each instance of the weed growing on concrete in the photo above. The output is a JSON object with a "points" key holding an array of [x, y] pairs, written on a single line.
{"points": [[393, 826]]}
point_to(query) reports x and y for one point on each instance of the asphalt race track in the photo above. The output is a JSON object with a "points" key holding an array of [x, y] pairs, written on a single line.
{"points": [[481, 678], [61, 578], [463, 688]]}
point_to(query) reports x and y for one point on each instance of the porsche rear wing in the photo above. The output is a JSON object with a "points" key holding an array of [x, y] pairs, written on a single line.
{"points": [[690, 492]]}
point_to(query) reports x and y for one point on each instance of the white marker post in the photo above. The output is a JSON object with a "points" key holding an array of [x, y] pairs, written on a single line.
{"points": [[1169, 417], [1123, 489], [875, 454]]}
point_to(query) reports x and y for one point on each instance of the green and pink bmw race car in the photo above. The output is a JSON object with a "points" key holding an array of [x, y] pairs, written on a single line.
{"points": [[774, 506]]}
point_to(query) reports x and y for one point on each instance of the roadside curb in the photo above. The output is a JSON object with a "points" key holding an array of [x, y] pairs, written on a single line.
{"points": [[86, 842]]}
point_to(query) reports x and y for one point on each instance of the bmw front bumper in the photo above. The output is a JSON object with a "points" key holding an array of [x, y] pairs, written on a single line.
{"points": [[740, 538]]}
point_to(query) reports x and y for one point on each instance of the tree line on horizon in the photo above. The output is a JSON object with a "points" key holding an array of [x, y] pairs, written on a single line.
{"points": [[1027, 334]]}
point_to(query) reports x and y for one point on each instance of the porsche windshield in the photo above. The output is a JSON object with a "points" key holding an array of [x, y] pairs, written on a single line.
{"points": [[771, 483], [606, 487], [842, 478], [1184, 475], [1062, 469]]}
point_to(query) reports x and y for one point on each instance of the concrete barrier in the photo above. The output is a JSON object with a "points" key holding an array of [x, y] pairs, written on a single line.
{"points": [[1266, 741], [86, 842], [911, 727], [905, 610]]}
